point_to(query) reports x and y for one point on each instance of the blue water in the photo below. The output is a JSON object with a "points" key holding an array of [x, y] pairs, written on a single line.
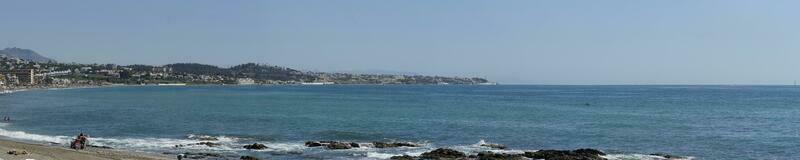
{"points": [[705, 122]]}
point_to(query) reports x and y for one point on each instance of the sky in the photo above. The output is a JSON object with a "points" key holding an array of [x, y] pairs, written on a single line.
{"points": [[507, 41]]}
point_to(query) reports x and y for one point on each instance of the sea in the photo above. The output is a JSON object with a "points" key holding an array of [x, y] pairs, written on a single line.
{"points": [[627, 122]]}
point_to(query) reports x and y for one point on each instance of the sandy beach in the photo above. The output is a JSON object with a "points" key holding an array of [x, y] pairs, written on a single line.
{"points": [[44, 152]]}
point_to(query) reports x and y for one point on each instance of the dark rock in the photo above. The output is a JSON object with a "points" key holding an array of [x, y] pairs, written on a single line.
{"points": [[403, 157], [668, 156], [248, 158], [495, 146], [580, 154], [313, 144], [354, 145], [210, 144], [255, 146], [13, 152], [499, 156], [443, 153], [393, 145], [339, 145]]}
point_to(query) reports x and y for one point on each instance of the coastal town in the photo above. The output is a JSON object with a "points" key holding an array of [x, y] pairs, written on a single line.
{"points": [[21, 71]]}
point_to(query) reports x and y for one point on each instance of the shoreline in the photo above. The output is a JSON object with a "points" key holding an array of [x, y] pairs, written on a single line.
{"points": [[39, 151], [45, 152]]}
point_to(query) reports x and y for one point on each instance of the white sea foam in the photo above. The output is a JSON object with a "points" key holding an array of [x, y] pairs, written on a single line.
{"points": [[226, 143], [285, 147], [33, 137], [381, 155]]}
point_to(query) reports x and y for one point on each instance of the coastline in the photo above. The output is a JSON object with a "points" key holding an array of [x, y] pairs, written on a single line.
{"points": [[44, 152], [48, 152]]}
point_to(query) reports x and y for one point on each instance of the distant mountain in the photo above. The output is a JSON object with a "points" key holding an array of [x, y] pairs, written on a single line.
{"points": [[25, 54]]}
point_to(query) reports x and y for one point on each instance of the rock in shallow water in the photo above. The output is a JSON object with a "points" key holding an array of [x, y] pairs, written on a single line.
{"points": [[499, 156], [339, 145], [248, 158], [332, 144], [255, 146], [393, 145], [443, 153], [580, 154], [668, 156]]}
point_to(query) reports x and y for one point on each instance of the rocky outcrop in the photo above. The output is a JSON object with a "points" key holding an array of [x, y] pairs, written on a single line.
{"points": [[248, 158], [443, 153], [255, 146], [393, 145], [403, 157], [332, 144], [499, 156], [339, 145], [580, 154]]}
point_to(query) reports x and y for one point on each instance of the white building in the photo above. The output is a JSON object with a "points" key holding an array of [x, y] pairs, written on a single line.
{"points": [[245, 81]]}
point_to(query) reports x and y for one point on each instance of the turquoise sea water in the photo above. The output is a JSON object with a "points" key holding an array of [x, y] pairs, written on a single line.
{"points": [[705, 122]]}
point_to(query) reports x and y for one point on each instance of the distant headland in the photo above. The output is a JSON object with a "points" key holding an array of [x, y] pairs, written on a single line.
{"points": [[24, 68]]}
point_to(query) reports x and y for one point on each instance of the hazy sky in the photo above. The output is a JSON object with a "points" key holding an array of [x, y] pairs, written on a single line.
{"points": [[530, 41]]}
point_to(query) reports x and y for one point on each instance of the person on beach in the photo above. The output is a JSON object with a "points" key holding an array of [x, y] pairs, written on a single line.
{"points": [[79, 142], [83, 138]]}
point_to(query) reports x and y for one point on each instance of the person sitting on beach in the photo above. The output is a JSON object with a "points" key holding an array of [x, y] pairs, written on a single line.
{"points": [[83, 138], [79, 142]]}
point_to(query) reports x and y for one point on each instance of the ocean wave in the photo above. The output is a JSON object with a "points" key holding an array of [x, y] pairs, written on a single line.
{"points": [[144, 144], [33, 137]]}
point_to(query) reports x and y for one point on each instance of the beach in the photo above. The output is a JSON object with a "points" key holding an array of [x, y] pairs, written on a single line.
{"points": [[44, 152]]}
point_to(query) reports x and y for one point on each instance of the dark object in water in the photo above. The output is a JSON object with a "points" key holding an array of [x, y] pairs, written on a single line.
{"points": [[443, 153], [248, 158], [579, 154], [393, 145], [255, 146], [313, 144], [668, 156], [339, 145], [332, 144]]}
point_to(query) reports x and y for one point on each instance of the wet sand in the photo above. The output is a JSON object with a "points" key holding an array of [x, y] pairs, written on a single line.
{"points": [[44, 152]]}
